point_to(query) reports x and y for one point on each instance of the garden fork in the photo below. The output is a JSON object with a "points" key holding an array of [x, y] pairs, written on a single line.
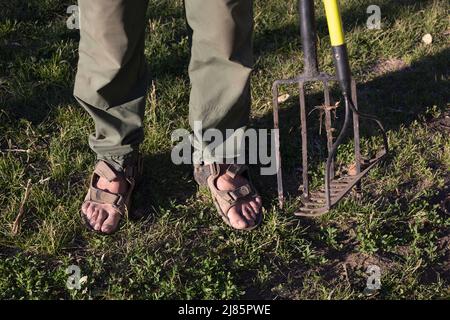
{"points": [[317, 203]]}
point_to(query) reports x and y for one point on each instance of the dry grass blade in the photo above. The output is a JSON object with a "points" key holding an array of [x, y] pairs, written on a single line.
{"points": [[17, 221]]}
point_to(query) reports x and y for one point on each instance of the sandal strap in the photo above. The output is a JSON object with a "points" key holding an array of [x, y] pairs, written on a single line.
{"points": [[104, 170], [242, 192], [105, 197], [203, 172], [235, 196]]}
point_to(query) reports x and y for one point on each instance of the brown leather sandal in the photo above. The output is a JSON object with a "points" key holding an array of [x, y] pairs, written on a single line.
{"points": [[207, 175], [120, 202]]}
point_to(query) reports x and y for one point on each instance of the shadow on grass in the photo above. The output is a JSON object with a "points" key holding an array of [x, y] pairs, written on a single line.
{"points": [[163, 185]]}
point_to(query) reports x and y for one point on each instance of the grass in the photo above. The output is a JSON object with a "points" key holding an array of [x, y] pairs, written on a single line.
{"points": [[180, 249]]}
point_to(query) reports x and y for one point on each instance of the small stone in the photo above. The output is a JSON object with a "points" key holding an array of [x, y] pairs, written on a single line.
{"points": [[370, 292], [427, 39], [283, 98], [83, 279], [351, 170]]}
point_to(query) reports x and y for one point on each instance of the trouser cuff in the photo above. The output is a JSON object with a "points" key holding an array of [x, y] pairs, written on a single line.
{"points": [[119, 162]]}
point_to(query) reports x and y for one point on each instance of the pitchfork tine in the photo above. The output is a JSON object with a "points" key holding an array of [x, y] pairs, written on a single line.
{"points": [[277, 144], [304, 129]]}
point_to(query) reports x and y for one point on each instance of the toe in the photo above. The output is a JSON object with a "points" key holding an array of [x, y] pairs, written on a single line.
{"points": [[88, 210], [248, 214], [94, 216], [111, 222], [236, 219], [258, 200], [255, 209], [84, 207], [102, 216]]}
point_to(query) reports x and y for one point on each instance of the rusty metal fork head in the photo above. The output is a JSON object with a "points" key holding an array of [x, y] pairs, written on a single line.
{"points": [[316, 203]]}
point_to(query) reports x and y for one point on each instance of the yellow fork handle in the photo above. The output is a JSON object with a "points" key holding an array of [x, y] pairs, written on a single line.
{"points": [[334, 22], [340, 54]]}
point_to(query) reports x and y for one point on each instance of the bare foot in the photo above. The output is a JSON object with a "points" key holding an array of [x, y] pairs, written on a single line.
{"points": [[245, 214], [103, 217]]}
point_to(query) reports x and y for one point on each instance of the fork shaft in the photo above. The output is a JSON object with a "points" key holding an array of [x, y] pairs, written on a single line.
{"points": [[309, 36]]}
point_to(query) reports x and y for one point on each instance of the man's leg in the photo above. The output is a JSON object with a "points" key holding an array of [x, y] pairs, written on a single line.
{"points": [[111, 85], [221, 63], [220, 68], [111, 80]]}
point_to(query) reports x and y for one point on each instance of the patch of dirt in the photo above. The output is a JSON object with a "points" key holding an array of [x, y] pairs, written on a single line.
{"points": [[362, 261], [441, 123], [443, 197], [389, 65], [441, 270], [444, 244]]}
